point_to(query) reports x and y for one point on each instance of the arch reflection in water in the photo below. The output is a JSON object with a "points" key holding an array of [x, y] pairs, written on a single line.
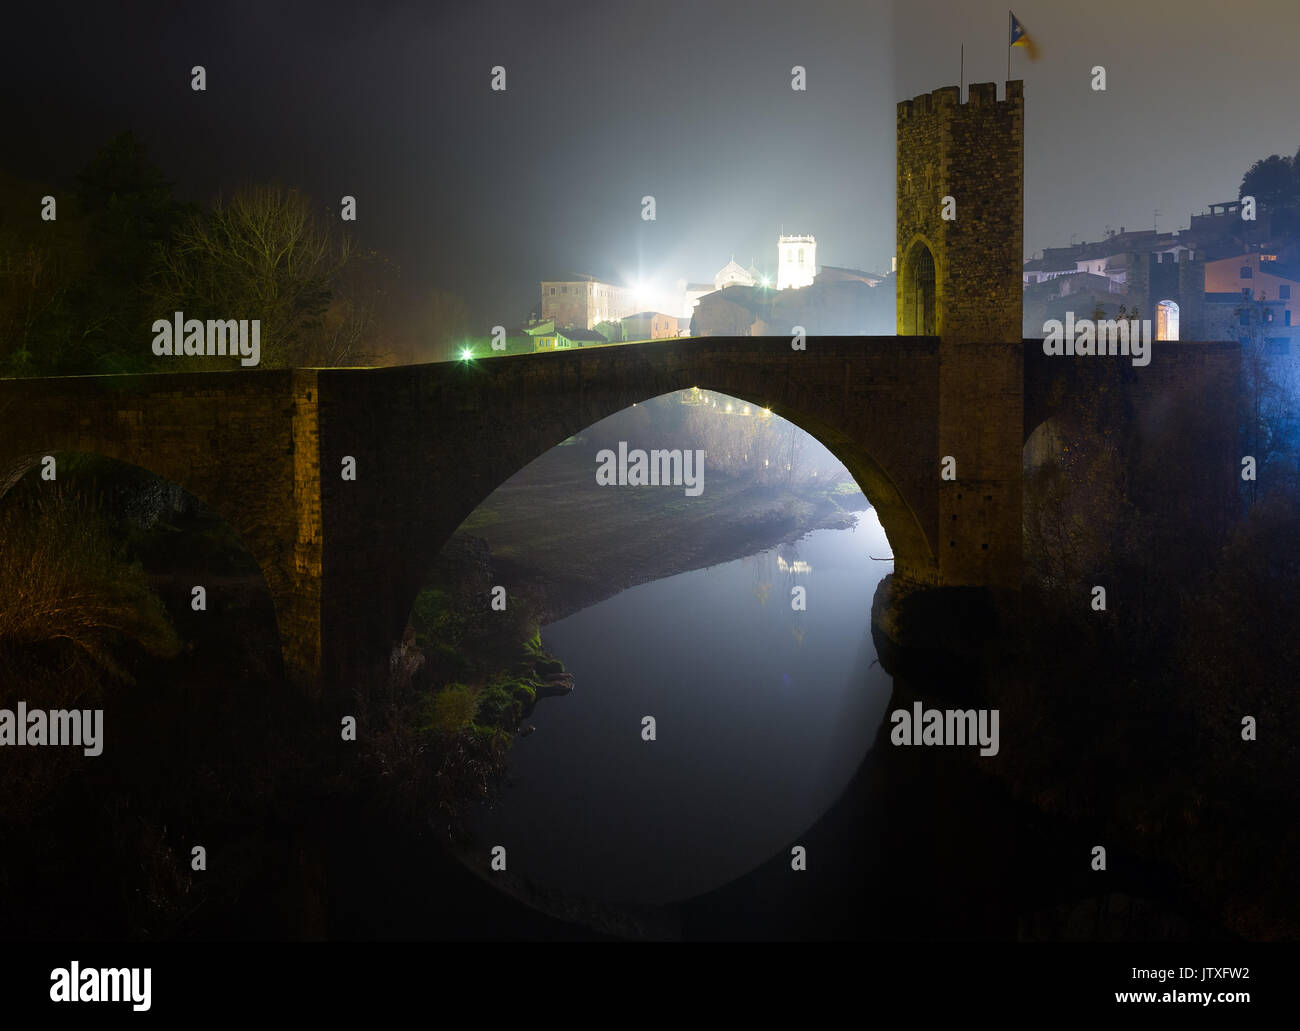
{"points": [[763, 713]]}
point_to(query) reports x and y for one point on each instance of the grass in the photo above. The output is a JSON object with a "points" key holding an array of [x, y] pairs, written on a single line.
{"points": [[64, 581]]}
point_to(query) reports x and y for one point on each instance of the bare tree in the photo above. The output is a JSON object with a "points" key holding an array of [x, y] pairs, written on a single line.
{"points": [[265, 254], [350, 327]]}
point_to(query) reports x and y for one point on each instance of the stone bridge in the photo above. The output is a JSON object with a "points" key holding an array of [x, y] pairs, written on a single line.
{"points": [[344, 559]]}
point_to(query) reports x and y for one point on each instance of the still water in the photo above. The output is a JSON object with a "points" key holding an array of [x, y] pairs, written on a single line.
{"points": [[762, 713]]}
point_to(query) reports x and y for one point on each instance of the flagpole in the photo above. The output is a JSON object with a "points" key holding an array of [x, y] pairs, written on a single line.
{"points": [[961, 82], [1008, 47]]}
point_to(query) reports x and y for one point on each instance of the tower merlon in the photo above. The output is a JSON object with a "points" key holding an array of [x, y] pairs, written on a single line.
{"points": [[981, 94]]}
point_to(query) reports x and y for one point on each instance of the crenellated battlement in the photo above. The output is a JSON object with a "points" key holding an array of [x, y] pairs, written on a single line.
{"points": [[960, 213], [981, 95]]}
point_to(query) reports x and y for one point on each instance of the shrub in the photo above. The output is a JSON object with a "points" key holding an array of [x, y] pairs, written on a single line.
{"points": [[452, 708]]}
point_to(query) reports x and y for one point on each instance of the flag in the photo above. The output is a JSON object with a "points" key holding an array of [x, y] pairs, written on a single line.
{"points": [[1020, 38]]}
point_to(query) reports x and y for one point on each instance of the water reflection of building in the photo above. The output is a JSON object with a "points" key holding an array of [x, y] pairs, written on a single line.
{"points": [[771, 569], [696, 396]]}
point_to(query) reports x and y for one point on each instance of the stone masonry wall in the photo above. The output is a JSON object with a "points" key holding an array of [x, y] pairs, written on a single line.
{"points": [[974, 153]]}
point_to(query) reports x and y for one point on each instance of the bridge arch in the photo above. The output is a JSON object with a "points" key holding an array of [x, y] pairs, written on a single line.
{"points": [[438, 440], [242, 444], [902, 526], [14, 467]]}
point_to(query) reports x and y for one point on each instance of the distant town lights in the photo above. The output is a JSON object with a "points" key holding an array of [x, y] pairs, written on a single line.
{"points": [[644, 294]]}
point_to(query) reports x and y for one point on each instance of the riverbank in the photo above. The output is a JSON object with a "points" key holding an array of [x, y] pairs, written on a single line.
{"points": [[564, 544]]}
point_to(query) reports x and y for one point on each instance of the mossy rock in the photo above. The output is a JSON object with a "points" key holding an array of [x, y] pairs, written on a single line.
{"points": [[549, 666], [450, 709], [498, 706]]}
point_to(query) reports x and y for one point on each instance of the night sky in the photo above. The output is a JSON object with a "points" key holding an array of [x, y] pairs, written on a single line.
{"points": [[485, 193]]}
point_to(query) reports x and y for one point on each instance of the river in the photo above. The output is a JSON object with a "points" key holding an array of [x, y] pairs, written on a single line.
{"points": [[762, 714]]}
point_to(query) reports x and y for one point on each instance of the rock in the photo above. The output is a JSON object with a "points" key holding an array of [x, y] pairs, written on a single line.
{"points": [[555, 685]]}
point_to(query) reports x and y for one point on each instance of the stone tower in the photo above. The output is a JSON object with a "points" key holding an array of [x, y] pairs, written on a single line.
{"points": [[796, 261], [1153, 278], [960, 250]]}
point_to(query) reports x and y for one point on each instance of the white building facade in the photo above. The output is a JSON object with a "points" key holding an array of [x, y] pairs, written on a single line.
{"points": [[796, 258]]}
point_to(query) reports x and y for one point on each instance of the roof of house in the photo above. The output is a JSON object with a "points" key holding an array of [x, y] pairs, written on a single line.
{"points": [[835, 272], [571, 279], [1050, 265], [1074, 278], [1237, 255], [581, 334], [751, 297]]}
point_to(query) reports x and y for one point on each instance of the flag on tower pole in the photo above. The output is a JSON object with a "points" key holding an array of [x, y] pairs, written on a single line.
{"points": [[1019, 38]]}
